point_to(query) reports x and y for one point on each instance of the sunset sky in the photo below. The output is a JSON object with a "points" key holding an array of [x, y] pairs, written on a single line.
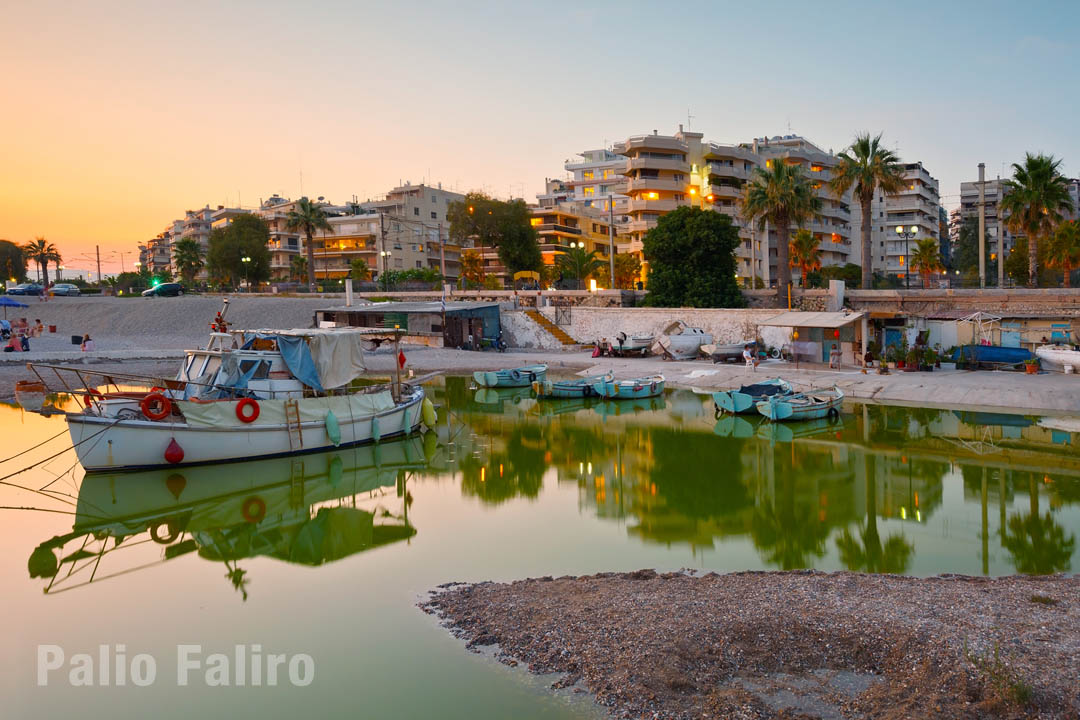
{"points": [[116, 117]]}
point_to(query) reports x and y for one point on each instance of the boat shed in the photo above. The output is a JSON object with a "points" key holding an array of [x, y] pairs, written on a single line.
{"points": [[453, 324], [814, 335]]}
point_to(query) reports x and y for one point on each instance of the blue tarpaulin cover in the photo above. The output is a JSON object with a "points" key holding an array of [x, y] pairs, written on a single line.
{"points": [[296, 354]]}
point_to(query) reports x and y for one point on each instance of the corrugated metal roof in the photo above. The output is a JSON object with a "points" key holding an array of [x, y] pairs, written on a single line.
{"points": [[795, 318]]}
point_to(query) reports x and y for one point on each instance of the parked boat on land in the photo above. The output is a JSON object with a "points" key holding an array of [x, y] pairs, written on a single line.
{"points": [[636, 388], [515, 377], [803, 406], [992, 356], [683, 342], [576, 388], [250, 394], [731, 352], [632, 345], [1058, 357], [743, 399]]}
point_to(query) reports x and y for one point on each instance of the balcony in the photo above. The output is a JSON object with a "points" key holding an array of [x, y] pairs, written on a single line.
{"points": [[637, 163], [555, 228], [725, 191], [641, 226], [729, 171], [637, 206], [650, 142], [655, 183]]}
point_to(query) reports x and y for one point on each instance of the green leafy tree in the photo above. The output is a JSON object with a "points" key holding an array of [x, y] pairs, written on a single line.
{"points": [[12, 262], [494, 223], [188, 258], [868, 553], [865, 167], [1063, 249], [805, 253], [306, 218], [691, 255], [850, 273], [578, 265], [130, 282], [627, 270], [926, 260], [42, 252], [472, 268], [781, 195], [246, 236], [1035, 198], [361, 272], [297, 267], [965, 252], [163, 275]]}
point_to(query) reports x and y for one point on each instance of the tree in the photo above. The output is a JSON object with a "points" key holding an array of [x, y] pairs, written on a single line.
{"points": [[868, 553], [576, 264], [965, 252], [188, 258], [805, 252], [164, 275], [691, 255], [627, 270], [781, 195], [506, 226], [926, 260], [308, 217], [361, 272], [12, 262], [1063, 249], [850, 273], [246, 236], [865, 167], [42, 252], [297, 267], [472, 267], [1035, 199]]}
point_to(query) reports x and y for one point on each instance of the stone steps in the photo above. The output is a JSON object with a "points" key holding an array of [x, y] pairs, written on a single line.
{"points": [[557, 332]]}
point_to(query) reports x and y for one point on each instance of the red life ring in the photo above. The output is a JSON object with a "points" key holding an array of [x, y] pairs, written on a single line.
{"points": [[155, 406], [254, 509], [242, 415], [92, 395]]}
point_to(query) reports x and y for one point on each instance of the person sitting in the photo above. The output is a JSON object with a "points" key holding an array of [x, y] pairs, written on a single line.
{"points": [[748, 358], [868, 359], [14, 344], [87, 343]]}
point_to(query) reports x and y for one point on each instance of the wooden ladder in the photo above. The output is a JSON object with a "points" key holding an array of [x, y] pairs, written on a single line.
{"points": [[292, 421]]}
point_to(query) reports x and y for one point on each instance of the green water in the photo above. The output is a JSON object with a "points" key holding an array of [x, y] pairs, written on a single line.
{"points": [[335, 550]]}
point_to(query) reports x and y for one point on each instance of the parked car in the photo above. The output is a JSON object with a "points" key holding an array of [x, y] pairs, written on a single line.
{"points": [[164, 290], [65, 289], [26, 289]]}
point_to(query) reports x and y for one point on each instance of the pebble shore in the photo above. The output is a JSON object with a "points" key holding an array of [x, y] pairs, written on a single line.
{"points": [[787, 644]]}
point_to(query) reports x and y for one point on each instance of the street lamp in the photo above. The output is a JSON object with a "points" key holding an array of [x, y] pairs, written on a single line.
{"points": [[247, 262], [907, 234]]}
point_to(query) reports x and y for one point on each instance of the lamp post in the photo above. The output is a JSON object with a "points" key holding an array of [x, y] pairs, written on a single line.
{"points": [[385, 255], [247, 263], [907, 234]]}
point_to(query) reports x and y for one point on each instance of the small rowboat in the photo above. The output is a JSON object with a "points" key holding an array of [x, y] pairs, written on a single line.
{"points": [[645, 387], [804, 406], [517, 377], [562, 389], [743, 400], [1059, 358]]}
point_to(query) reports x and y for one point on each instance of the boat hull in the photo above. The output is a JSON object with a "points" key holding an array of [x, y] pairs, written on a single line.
{"points": [[630, 389], [1057, 358], [568, 389], [992, 355], [105, 444], [518, 377], [745, 398], [802, 407]]}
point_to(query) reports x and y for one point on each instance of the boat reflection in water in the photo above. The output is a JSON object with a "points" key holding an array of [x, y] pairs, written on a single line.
{"points": [[308, 510]]}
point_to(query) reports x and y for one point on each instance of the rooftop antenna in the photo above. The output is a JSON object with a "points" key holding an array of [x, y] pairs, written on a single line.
{"points": [[689, 117]]}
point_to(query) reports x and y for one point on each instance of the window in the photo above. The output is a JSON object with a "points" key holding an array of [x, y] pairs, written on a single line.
{"points": [[434, 215], [418, 264], [433, 199], [589, 191], [587, 175], [416, 211]]}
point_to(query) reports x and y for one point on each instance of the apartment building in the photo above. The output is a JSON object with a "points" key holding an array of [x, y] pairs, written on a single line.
{"points": [[415, 231], [664, 172], [917, 206], [598, 179], [284, 244]]}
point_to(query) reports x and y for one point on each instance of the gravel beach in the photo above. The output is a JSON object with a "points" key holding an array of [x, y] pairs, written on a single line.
{"points": [[787, 644]]}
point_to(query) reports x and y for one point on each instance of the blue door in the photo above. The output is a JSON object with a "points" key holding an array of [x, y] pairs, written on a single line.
{"points": [[1010, 335], [892, 337]]}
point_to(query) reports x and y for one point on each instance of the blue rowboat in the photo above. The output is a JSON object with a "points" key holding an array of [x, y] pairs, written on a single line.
{"points": [[743, 400], [518, 377], [563, 389], [645, 387], [993, 356], [803, 406]]}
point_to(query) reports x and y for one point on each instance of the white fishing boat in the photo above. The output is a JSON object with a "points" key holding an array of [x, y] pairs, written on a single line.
{"points": [[683, 342], [631, 344], [1059, 358], [247, 395]]}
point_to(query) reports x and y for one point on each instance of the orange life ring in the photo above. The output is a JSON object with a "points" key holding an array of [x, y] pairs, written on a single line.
{"points": [[92, 395], [155, 406], [241, 413], [254, 509]]}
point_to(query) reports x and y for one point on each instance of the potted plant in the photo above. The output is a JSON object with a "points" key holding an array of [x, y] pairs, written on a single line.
{"points": [[912, 360], [947, 362], [1031, 366], [929, 359], [891, 357]]}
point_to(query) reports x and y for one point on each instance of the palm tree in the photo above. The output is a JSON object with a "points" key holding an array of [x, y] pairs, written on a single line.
{"points": [[868, 553], [576, 264], [780, 194], [864, 167], [1035, 199], [297, 267], [307, 218], [188, 258], [42, 252], [361, 272], [805, 250], [1063, 250], [926, 260]]}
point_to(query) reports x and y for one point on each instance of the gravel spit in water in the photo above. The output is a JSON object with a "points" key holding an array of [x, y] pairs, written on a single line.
{"points": [[788, 644]]}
